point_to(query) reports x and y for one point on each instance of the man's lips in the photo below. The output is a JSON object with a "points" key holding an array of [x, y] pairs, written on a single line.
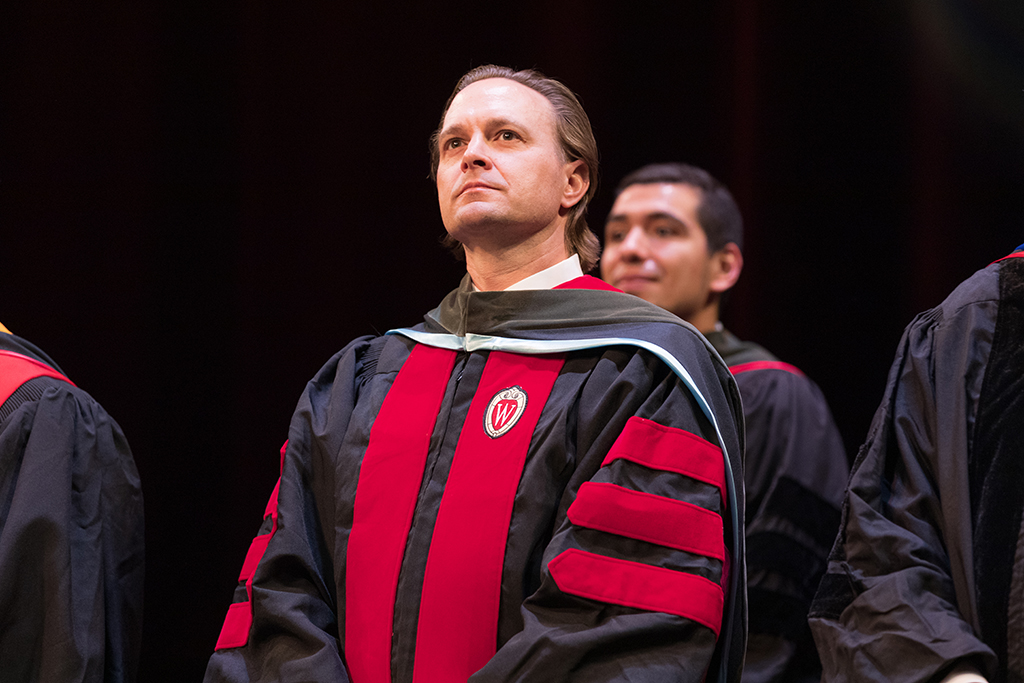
{"points": [[628, 282], [470, 187]]}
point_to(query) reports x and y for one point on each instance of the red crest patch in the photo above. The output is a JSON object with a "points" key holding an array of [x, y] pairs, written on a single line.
{"points": [[504, 410]]}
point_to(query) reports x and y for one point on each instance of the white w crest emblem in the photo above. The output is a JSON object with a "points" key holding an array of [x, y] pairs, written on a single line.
{"points": [[504, 410]]}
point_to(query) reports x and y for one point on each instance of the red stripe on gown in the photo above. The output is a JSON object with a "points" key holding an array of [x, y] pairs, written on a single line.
{"points": [[587, 282], [458, 622], [765, 365], [647, 517], [18, 368], [1016, 254], [667, 448], [238, 622], [642, 586], [389, 483]]}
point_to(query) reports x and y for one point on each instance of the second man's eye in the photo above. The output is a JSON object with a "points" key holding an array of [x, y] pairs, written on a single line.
{"points": [[665, 231], [507, 135]]}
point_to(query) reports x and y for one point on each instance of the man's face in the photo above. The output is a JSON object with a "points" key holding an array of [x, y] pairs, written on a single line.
{"points": [[656, 248], [501, 174]]}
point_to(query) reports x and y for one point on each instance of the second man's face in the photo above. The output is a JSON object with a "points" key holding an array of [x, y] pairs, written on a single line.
{"points": [[501, 174], [656, 248]]}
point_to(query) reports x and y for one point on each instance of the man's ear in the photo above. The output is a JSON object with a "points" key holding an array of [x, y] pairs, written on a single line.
{"points": [[576, 184], [726, 265]]}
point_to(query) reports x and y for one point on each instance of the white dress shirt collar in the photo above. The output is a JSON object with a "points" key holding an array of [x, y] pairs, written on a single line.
{"points": [[549, 278]]}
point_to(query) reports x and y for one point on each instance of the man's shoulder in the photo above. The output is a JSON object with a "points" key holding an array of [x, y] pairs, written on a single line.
{"points": [[763, 379], [28, 373], [33, 386], [737, 352], [981, 288], [966, 317], [13, 344], [359, 357], [986, 288]]}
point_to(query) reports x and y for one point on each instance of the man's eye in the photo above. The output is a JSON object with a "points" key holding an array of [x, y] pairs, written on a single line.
{"points": [[453, 143], [508, 135], [663, 231], [614, 236]]}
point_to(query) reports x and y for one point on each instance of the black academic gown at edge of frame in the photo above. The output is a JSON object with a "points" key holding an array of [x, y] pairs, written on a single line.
{"points": [[928, 569], [71, 533], [795, 471], [540, 499]]}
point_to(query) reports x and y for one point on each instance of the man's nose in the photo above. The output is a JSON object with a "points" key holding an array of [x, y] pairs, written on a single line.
{"points": [[476, 154], [634, 244]]}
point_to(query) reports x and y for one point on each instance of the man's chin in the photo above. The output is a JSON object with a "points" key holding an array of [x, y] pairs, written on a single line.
{"points": [[491, 229], [477, 218]]}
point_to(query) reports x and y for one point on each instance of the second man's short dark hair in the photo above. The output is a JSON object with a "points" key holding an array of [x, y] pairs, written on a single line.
{"points": [[717, 213]]}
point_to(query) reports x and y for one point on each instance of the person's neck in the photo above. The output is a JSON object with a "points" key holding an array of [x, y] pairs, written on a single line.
{"points": [[706, 320], [496, 269]]}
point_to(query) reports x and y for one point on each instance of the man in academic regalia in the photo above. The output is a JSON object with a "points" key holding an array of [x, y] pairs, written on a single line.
{"points": [[674, 237], [71, 529], [926, 580], [540, 482]]}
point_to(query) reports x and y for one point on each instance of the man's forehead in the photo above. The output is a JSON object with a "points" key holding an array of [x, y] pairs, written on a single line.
{"points": [[645, 198], [498, 98], [648, 203]]}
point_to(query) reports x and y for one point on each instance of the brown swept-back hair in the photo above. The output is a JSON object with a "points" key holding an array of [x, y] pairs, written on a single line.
{"points": [[574, 134]]}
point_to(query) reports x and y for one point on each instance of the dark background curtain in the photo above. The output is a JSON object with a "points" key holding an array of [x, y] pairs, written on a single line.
{"points": [[201, 201]]}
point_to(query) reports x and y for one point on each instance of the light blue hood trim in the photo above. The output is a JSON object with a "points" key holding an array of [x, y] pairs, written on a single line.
{"points": [[480, 342]]}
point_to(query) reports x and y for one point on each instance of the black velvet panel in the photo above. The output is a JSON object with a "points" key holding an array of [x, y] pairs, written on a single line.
{"points": [[835, 593], [997, 462]]}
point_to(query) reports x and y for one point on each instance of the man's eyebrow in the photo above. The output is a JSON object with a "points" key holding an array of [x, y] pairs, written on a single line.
{"points": [[459, 128], [659, 215], [653, 216], [454, 128], [450, 130]]}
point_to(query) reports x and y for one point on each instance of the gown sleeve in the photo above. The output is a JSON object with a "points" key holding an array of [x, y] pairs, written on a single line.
{"points": [[71, 541], [888, 607], [282, 624], [632, 583], [796, 472]]}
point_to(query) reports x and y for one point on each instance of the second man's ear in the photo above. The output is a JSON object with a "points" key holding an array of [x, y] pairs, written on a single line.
{"points": [[726, 264]]}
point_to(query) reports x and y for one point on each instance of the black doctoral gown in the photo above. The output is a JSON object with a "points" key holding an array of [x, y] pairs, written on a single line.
{"points": [[795, 471], [529, 486], [71, 531], [928, 568]]}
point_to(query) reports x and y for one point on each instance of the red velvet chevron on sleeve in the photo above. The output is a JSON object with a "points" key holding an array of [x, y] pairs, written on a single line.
{"points": [[235, 631], [646, 517], [650, 444], [638, 585], [657, 519]]}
